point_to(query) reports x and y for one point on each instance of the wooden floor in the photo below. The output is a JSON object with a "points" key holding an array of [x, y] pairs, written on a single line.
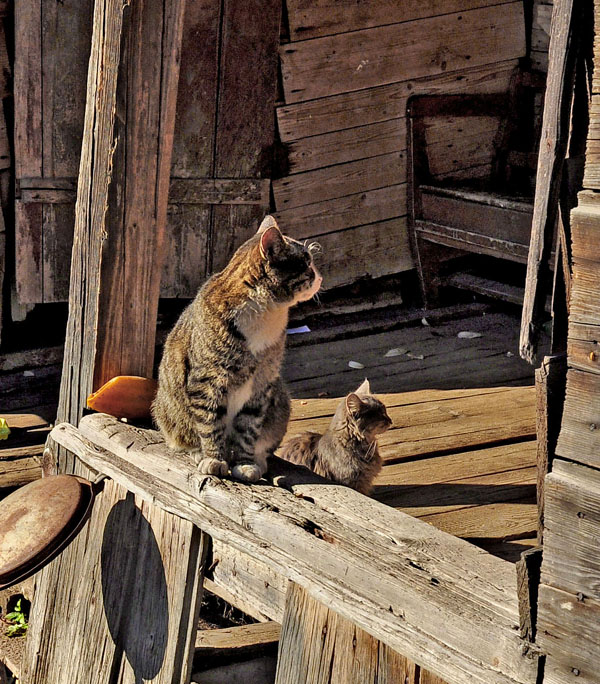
{"points": [[461, 454]]}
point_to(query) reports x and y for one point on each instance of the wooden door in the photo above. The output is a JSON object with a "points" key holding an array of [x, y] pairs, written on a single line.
{"points": [[223, 140]]}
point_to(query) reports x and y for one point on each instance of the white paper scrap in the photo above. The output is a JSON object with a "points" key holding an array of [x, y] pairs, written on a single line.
{"points": [[295, 331], [355, 364], [468, 335]]}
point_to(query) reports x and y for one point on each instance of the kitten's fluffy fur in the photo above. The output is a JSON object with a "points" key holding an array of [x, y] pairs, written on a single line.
{"points": [[220, 394], [347, 453]]}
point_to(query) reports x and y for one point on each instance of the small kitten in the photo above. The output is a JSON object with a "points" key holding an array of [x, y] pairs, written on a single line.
{"points": [[220, 393], [347, 453]]}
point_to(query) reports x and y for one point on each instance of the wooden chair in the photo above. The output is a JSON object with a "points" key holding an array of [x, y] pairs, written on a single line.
{"points": [[489, 216]]}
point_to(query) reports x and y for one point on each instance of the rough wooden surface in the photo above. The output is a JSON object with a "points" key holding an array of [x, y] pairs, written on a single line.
{"points": [[566, 23], [333, 64], [579, 438], [106, 624], [319, 647], [315, 545]]}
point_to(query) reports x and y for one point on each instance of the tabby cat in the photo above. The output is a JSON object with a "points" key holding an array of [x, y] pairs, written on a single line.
{"points": [[220, 394], [347, 453]]}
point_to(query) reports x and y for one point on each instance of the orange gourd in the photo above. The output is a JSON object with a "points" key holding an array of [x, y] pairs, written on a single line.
{"points": [[126, 396]]}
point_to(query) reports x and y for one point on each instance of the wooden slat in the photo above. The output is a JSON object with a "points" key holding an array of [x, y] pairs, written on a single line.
{"points": [[585, 226], [387, 54], [219, 191], [572, 560], [583, 346], [245, 131], [494, 222], [591, 177], [569, 634], [57, 225], [566, 22], [383, 103], [388, 596], [473, 242], [347, 145], [308, 19], [339, 213], [579, 438], [340, 180], [233, 642], [28, 89], [318, 646], [29, 273], [369, 251]]}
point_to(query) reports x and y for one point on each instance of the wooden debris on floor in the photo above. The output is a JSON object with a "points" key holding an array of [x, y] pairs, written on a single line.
{"points": [[433, 357]]}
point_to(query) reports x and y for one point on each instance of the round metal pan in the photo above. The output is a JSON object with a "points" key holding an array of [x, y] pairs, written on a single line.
{"points": [[39, 520]]}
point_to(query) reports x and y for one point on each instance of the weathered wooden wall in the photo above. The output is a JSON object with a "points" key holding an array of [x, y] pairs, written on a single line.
{"points": [[348, 70], [569, 597], [222, 149]]}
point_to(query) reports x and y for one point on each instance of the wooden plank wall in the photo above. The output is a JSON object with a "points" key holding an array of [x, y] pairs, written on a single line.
{"points": [[348, 70], [222, 148], [569, 597], [540, 34]]}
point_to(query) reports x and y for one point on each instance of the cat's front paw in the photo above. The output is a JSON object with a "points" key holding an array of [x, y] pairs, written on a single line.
{"points": [[246, 472], [212, 466]]}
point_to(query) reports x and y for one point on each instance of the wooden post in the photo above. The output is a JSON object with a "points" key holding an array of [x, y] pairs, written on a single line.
{"points": [[121, 198], [550, 383], [121, 603], [566, 27]]}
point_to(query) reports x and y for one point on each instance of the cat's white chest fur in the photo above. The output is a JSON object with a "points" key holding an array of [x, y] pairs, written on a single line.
{"points": [[236, 400], [263, 330]]}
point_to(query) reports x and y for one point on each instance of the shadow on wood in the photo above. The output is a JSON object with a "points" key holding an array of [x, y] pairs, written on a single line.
{"points": [[140, 626]]}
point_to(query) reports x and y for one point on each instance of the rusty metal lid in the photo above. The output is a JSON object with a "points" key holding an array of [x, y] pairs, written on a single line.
{"points": [[38, 520]]}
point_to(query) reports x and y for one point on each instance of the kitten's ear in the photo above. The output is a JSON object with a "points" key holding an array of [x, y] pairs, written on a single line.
{"points": [[365, 388], [353, 403], [268, 222], [271, 243]]}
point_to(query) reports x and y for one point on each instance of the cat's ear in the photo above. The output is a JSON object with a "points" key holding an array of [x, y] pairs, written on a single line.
{"points": [[271, 243], [365, 388], [353, 403], [268, 222]]}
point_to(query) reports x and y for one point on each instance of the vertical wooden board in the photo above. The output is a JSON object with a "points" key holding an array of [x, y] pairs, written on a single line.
{"points": [[246, 114], [131, 266], [125, 607], [28, 251], [387, 54], [28, 89], [395, 668], [58, 221], [317, 646], [185, 248], [64, 68], [189, 227], [194, 138]]}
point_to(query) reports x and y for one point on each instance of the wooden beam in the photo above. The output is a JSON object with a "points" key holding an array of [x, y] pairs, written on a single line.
{"points": [[550, 382], [435, 598], [564, 41], [121, 213]]}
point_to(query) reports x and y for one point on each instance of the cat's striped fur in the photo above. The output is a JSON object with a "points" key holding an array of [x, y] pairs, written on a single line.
{"points": [[220, 393], [347, 453]]}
